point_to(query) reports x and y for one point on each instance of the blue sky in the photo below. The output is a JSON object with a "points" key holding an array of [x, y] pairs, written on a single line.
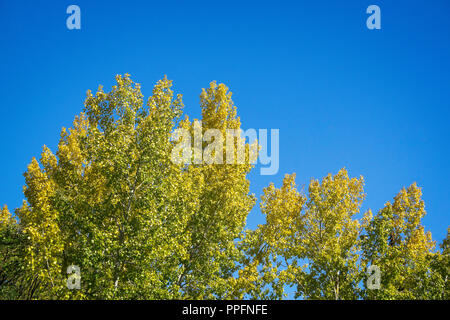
{"points": [[374, 101]]}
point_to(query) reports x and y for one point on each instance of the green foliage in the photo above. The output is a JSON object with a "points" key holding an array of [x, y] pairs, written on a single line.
{"points": [[15, 282], [397, 243], [111, 201], [309, 243]]}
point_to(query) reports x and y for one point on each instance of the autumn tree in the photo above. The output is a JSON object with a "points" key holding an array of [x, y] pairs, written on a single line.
{"points": [[440, 265], [112, 202], [398, 244], [15, 280], [314, 246], [143, 218], [223, 200], [308, 242]]}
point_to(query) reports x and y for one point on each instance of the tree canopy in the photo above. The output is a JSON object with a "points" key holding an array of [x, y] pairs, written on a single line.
{"points": [[138, 225]]}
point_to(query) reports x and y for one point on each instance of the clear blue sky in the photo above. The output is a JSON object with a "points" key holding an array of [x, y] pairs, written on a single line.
{"points": [[374, 101]]}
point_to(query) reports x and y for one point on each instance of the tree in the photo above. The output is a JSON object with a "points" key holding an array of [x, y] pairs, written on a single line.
{"points": [[112, 202], [440, 268], [397, 243], [222, 202], [311, 243], [314, 244], [272, 250], [142, 218], [14, 280]]}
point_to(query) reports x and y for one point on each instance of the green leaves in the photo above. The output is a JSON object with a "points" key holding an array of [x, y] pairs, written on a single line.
{"points": [[139, 226], [397, 243], [112, 203], [315, 244], [310, 242]]}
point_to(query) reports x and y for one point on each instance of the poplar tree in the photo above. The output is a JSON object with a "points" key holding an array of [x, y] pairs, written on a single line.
{"points": [[113, 203]]}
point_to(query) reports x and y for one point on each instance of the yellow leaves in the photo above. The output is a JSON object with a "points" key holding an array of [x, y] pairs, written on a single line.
{"points": [[218, 110], [111, 198], [335, 201], [399, 245], [70, 144], [139, 225], [408, 209], [282, 208], [319, 229], [48, 159], [39, 220], [5, 216]]}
